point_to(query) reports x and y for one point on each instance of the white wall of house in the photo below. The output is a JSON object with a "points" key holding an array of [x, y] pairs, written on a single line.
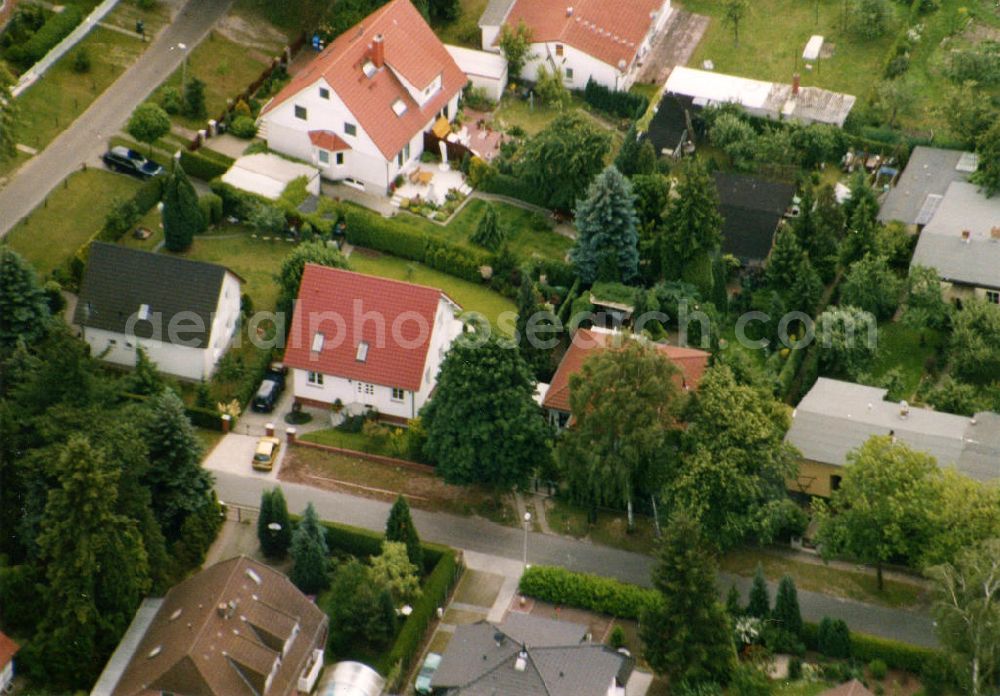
{"points": [[326, 388], [186, 362], [6, 675], [364, 162]]}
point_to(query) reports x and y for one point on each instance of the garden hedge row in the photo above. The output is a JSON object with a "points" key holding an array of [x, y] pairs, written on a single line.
{"points": [[895, 654], [443, 568], [585, 591], [507, 185], [370, 230], [253, 377], [205, 164], [56, 28], [623, 104], [200, 417]]}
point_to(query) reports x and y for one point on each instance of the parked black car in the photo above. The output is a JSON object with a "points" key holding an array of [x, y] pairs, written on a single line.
{"points": [[122, 159], [270, 389]]}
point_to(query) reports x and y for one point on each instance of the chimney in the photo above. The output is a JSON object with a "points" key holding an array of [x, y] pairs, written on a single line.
{"points": [[795, 84], [569, 11], [966, 236], [378, 51], [222, 609]]}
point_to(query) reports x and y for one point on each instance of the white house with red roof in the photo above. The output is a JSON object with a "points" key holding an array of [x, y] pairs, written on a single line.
{"points": [[360, 109], [8, 648], [602, 40], [369, 342]]}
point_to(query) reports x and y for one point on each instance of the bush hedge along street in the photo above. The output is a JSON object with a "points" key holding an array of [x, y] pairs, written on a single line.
{"points": [[56, 28], [561, 586], [205, 164]]}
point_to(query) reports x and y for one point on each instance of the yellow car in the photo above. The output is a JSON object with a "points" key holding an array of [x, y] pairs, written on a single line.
{"points": [[267, 451]]}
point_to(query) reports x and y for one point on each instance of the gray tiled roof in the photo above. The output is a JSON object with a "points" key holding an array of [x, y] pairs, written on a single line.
{"points": [[480, 660], [495, 13], [973, 262], [119, 280], [929, 172], [837, 417]]}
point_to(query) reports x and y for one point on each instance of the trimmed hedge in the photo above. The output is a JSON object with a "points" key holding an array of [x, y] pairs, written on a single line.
{"points": [[56, 28], [507, 185], [623, 104], [391, 236], [585, 591], [205, 164], [441, 564]]}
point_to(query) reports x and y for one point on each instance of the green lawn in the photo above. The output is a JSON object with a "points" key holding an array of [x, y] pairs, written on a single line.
{"points": [[513, 111], [773, 36], [59, 96], [610, 529], [471, 296], [352, 441], [906, 349], [529, 233], [226, 68], [464, 31], [801, 688], [72, 213]]}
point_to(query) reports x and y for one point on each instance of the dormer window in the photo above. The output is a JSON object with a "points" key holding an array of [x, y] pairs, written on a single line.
{"points": [[362, 353], [399, 107], [369, 69], [317, 344]]}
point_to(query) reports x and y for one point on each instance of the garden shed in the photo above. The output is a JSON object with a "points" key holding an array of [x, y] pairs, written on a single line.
{"points": [[267, 175]]}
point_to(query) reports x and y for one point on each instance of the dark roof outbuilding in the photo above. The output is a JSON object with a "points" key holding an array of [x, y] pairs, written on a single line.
{"points": [[751, 209]]}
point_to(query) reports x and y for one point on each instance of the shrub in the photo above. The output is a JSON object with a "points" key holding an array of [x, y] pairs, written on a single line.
{"points": [[81, 61], [475, 98], [561, 586], [878, 669], [170, 100], [56, 28], [833, 638], [507, 185], [623, 104], [870, 18], [795, 668], [243, 127], [205, 164], [617, 638], [211, 204]]}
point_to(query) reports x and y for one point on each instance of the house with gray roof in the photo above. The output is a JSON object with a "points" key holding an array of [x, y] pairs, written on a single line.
{"points": [[922, 185], [837, 417], [530, 656], [962, 241], [183, 313]]}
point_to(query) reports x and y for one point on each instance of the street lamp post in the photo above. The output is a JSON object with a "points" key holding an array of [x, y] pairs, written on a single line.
{"points": [[527, 523], [184, 63]]}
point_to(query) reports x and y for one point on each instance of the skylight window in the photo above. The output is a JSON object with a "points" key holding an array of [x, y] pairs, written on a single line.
{"points": [[251, 573], [369, 69], [317, 344], [144, 312], [176, 614], [362, 354], [155, 651], [399, 106]]}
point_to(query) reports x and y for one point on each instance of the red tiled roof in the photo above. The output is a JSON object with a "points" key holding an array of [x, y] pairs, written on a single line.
{"points": [[411, 49], [8, 648], [394, 318], [328, 140], [690, 362], [607, 30]]}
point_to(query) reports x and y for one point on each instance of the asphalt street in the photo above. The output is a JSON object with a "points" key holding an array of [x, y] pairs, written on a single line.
{"points": [[87, 137], [486, 537]]}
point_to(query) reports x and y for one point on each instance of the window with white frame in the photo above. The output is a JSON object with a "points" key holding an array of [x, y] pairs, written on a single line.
{"points": [[315, 378], [362, 353], [340, 159], [324, 93], [569, 74], [993, 296], [398, 394], [301, 113], [324, 158], [317, 344], [350, 129]]}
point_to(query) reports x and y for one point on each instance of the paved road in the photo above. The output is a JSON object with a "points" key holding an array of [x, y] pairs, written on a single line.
{"points": [[87, 136], [486, 537]]}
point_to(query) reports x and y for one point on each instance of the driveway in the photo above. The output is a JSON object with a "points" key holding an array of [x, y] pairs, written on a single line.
{"points": [[88, 135], [253, 423], [234, 454], [674, 46], [240, 486]]}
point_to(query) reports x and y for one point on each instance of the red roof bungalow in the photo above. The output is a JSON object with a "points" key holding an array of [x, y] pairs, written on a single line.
{"points": [[8, 648], [368, 343], [690, 362], [359, 111]]}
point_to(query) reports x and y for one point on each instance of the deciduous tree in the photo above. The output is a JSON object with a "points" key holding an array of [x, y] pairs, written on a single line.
{"points": [[607, 243], [394, 570], [182, 218], [847, 338], [361, 611], [9, 115], [968, 112], [692, 225], [148, 123], [872, 286], [290, 275], [880, 510], [687, 633], [624, 403], [975, 342], [967, 613], [515, 44], [987, 176], [733, 11], [925, 303], [483, 425]]}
